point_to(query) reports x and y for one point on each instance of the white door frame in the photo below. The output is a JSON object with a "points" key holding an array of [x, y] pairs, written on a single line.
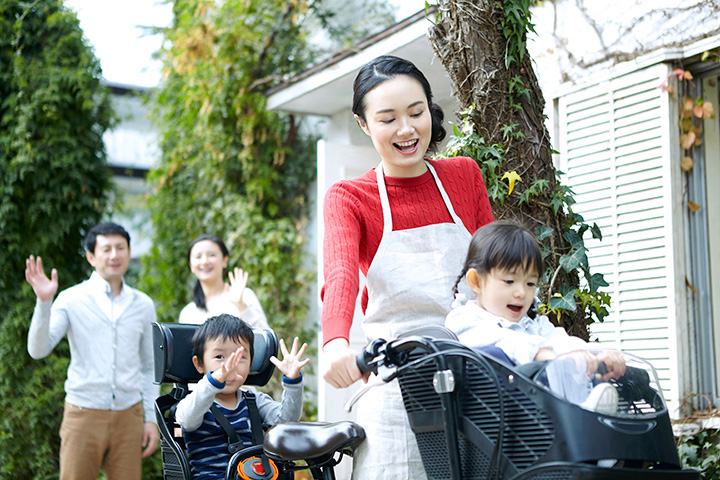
{"points": [[336, 162]]}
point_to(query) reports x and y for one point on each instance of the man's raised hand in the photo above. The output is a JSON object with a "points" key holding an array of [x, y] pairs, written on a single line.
{"points": [[45, 288]]}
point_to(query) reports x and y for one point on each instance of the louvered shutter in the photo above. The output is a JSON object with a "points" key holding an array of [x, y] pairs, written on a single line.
{"points": [[615, 153]]}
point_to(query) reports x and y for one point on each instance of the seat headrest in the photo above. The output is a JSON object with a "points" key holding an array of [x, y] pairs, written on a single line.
{"points": [[173, 354]]}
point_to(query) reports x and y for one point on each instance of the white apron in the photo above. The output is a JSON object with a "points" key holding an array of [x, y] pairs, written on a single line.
{"points": [[409, 285]]}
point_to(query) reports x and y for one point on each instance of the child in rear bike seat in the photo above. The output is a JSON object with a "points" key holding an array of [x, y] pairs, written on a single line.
{"points": [[502, 268], [223, 352]]}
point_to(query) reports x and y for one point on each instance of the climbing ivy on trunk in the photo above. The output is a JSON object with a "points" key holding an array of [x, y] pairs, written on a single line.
{"points": [[481, 44]]}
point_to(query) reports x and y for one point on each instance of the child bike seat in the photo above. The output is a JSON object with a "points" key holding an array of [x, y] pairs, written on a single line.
{"points": [[173, 364]]}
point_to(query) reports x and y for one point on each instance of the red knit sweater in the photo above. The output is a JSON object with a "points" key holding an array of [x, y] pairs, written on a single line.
{"points": [[354, 226]]}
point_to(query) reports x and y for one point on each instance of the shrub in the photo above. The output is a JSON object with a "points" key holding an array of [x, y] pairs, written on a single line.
{"points": [[54, 183]]}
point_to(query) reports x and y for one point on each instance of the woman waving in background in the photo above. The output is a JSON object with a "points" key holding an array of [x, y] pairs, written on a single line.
{"points": [[406, 225], [207, 259]]}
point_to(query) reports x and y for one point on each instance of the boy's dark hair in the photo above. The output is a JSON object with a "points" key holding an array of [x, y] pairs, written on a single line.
{"points": [[107, 228], [198, 294], [503, 244], [224, 326], [387, 67]]}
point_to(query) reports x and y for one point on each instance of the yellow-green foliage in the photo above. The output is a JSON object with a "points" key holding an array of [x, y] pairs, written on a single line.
{"points": [[229, 166]]}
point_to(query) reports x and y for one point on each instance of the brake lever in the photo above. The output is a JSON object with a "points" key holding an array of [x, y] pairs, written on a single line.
{"points": [[373, 358], [360, 392]]}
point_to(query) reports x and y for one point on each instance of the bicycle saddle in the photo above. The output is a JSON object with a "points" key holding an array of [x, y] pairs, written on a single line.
{"points": [[307, 440]]}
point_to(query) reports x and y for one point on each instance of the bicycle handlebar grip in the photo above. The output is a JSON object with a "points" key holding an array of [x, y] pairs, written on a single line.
{"points": [[362, 361], [368, 354], [601, 368]]}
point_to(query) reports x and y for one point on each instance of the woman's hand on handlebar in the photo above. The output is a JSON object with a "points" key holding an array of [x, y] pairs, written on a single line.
{"points": [[341, 362]]}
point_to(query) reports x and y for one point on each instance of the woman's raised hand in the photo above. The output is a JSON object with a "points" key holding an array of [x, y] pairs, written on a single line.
{"points": [[238, 281], [45, 288]]}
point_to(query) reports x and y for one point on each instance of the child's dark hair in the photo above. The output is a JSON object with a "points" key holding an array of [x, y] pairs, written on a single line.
{"points": [[385, 68], [223, 326], [198, 294], [107, 228], [503, 244]]}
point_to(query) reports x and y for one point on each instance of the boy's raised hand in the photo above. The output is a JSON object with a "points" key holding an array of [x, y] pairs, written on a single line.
{"points": [[291, 363], [229, 366]]}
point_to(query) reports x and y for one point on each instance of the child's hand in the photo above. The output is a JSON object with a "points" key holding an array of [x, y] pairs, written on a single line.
{"points": [[291, 363], [614, 362], [585, 361], [228, 370], [545, 354]]}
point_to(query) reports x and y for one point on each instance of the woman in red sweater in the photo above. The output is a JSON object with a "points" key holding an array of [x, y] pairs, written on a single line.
{"points": [[406, 225]]}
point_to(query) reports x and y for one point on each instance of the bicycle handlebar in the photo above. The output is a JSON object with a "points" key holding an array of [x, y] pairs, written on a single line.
{"points": [[368, 353], [379, 351]]}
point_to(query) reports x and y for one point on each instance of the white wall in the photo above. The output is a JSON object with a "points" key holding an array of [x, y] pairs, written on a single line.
{"points": [[134, 141]]}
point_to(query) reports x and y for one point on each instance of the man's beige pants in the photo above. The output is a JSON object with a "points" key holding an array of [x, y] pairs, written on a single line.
{"points": [[92, 438]]}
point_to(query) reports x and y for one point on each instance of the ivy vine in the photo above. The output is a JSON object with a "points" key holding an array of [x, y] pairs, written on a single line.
{"points": [[466, 142], [699, 448], [515, 26]]}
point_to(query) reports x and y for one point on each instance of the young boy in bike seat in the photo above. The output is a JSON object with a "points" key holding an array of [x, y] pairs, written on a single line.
{"points": [[503, 266], [223, 352]]}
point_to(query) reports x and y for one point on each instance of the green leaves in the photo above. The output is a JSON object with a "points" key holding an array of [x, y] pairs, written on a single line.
{"points": [[575, 259], [514, 26], [230, 167], [596, 281], [536, 188], [563, 301], [465, 142], [562, 197], [54, 185], [542, 232], [701, 450]]}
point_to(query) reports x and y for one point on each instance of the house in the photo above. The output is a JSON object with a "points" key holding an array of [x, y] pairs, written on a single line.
{"points": [[618, 139], [600, 68], [124, 43], [132, 150]]}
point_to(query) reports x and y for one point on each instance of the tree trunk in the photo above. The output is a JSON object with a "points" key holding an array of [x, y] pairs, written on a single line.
{"points": [[471, 46]]}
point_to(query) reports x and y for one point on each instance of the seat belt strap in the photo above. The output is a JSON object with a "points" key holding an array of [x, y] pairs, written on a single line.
{"points": [[255, 421], [256, 427], [234, 442]]}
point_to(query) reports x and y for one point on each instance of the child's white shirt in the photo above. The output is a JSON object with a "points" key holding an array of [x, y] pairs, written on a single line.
{"points": [[521, 341]]}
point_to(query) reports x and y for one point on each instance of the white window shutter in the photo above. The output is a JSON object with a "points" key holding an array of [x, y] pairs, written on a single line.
{"points": [[615, 152]]}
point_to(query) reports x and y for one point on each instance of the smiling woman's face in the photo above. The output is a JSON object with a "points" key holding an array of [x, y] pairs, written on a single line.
{"points": [[399, 124], [207, 261]]}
